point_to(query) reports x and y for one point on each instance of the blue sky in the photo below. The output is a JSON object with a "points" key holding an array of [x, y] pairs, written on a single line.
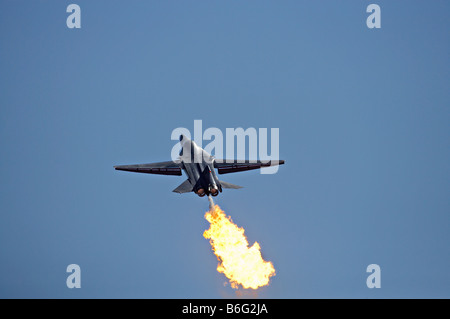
{"points": [[364, 128]]}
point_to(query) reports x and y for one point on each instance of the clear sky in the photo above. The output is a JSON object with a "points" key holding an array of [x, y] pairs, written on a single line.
{"points": [[363, 116]]}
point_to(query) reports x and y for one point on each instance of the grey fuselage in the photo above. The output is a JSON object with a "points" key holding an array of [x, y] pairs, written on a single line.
{"points": [[199, 167]]}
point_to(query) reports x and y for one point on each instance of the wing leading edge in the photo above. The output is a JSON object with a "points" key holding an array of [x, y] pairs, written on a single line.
{"points": [[160, 168], [232, 166]]}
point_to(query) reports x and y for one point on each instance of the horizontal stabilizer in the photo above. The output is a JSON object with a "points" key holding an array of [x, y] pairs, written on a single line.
{"points": [[229, 185], [186, 187]]}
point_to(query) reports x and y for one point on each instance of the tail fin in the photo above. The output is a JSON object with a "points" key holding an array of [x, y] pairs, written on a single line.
{"points": [[229, 185], [186, 187]]}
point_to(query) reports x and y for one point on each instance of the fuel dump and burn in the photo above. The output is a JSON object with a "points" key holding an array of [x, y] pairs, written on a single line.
{"points": [[241, 264]]}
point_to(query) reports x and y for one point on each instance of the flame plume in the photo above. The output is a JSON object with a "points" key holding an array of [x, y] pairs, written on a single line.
{"points": [[239, 263]]}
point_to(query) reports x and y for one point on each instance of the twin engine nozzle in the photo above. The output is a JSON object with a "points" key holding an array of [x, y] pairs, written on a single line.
{"points": [[212, 190]]}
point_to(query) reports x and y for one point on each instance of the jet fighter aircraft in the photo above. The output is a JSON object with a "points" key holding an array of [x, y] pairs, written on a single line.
{"points": [[199, 167]]}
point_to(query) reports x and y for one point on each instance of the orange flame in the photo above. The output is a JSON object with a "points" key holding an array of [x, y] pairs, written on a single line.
{"points": [[239, 263]]}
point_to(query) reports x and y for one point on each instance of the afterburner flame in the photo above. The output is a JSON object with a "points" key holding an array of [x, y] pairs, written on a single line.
{"points": [[241, 264]]}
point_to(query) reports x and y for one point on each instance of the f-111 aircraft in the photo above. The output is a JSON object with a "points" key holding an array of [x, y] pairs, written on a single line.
{"points": [[199, 167]]}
